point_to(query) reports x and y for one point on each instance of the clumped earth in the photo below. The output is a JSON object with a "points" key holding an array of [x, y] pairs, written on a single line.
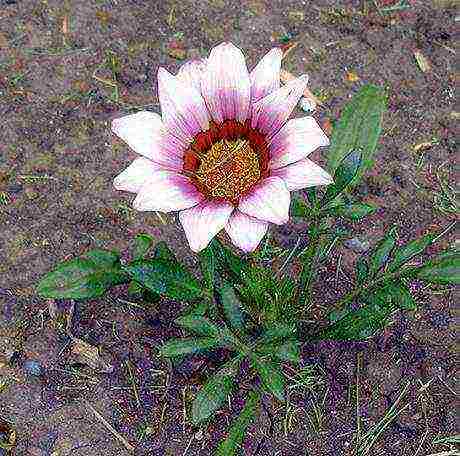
{"points": [[67, 68]]}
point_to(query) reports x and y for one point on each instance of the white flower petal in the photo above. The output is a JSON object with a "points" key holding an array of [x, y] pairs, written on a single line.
{"points": [[245, 232], [139, 130], [302, 174], [201, 223], [295, 141], [191, 73], [265, 77], [268, 201], [182, 107], [167, 191], [145, 133], [135, 175], [225, 85], [271, 112]]}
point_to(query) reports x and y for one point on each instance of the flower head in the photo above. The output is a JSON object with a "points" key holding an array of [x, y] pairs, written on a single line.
{"points": [[223, 152]]}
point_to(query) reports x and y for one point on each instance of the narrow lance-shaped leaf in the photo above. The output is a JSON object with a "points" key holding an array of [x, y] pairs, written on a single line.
{"points": [[358, 128], [232, 264], [361, 323], [212, 396], [356, 211], [178, 347], [167, 278], [232, 308], [208, 265], [406, 252], [288, 351], [199, 325], [299, 207], [88, 276], [362, 271], [278, 331], [380, 255], [442, 270], [270, 375], [344, 174], [400, 295], [231, 446], [163, 252], [142, 244]]}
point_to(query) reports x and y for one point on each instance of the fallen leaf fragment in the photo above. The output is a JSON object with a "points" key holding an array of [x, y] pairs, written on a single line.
{"points": [[422, 62], [352, 76], [423, 146], [90, 355]]}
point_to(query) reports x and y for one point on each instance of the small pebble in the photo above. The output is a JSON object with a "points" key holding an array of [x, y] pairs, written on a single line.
{"points": [[33, 367], [357, 245]]}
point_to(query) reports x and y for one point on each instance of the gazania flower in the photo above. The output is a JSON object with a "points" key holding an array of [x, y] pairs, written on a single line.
{"points": [[223, 153]]}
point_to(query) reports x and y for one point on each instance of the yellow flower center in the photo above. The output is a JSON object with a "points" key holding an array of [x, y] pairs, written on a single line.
{"points": [[228, 169]]}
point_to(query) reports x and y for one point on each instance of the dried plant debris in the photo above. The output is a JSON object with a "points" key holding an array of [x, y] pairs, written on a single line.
{"points": [[85, 353], [7, 435]]}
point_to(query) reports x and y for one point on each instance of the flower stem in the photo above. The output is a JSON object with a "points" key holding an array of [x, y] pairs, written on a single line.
{"points": [[309, 262]]}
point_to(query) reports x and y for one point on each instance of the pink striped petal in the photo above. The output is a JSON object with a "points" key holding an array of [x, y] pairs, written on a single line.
{"points": [[167, 191], [201, 223], [244, 231], [144, 132], [191, 73], [271, 112], [295, 141], [265, 77], [225, 86], [182, 107], [135, 175], [302, 174], [268, 201]]}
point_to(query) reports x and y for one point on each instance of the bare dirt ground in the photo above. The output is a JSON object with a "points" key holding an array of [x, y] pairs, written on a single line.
{"points": [[58, 158]]}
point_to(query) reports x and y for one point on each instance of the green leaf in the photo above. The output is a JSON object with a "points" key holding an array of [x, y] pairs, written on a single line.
{"points": [[278, 331], [362, 271], [231, 446], [299, 207], [270, 375], [355, 211], [312, 195], [228, 261], [406, 252], [142, 244], [199, 325], [163, 252], [443, 270], [178, 347], [208, 265], [211, 397], [358, 128], [137, 290], [88, 276], [344, 174], [288, 351], [166, 278], [400, 295], [381, 253], [232, 308], [361, 323]]}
